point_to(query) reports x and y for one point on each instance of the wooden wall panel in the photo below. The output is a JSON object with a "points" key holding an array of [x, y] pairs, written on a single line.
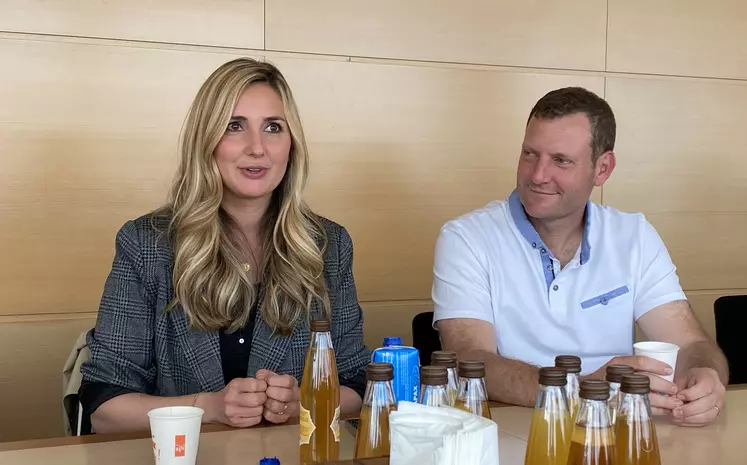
{"points": [[680, 161], [88, 137], [569, 35], [233, 23], [382, 319], [33, 355], [398, 150], [693, 38], [707, 248]]}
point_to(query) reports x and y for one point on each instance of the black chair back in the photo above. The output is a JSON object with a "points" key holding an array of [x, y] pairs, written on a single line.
{"points": [[730, 313], [424, 337]]}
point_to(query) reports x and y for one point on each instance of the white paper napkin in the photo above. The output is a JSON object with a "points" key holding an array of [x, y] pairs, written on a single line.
{"points": [[441, 436]]}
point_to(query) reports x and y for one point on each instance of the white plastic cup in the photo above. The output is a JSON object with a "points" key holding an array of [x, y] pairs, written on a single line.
{"points": [[175, 432], [662, 351]]}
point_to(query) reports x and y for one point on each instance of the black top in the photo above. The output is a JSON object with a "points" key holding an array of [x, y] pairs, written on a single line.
{"points": [[234, 360], [235, 349]]}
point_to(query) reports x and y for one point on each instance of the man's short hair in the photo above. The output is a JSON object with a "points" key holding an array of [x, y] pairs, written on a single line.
{"points": [[571, 100]]}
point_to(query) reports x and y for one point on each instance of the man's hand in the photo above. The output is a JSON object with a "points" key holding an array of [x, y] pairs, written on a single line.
{"points": [[662, 397], [283, 396], [703, 394], [702, 369]]}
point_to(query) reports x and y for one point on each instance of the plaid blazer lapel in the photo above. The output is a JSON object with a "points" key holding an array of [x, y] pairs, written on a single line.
{"points": [[269, 350], [202, 351]]}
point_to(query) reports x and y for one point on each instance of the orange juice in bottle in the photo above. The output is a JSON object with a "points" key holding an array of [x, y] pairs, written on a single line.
{"points": [[473, 395], [550, 432], [372, 439], [593, 437], [320, 399], [635, 432]]}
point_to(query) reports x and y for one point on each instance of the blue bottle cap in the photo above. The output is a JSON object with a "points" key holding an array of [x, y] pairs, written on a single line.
{"points": [[269, 461], [392, 341]]}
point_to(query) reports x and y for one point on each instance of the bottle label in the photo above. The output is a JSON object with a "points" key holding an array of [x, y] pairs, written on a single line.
{"points": [[307, 426], [335, 425], [414, 383]]}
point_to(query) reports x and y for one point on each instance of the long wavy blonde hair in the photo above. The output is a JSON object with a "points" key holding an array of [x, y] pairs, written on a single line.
{"points": [[210, 282]]}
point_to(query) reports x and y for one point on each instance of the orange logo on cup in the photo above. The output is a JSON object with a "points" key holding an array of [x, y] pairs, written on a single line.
{"points": [[179, 445]]}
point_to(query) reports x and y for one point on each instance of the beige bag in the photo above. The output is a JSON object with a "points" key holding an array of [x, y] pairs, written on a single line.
{"points": [[71, 380]]}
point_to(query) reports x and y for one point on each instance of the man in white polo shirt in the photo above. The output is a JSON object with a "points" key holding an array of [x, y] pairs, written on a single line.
{"points": [[548, 272]]}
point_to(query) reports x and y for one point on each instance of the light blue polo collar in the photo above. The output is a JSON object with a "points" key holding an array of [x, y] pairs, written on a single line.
{"points": [[531, 235]]}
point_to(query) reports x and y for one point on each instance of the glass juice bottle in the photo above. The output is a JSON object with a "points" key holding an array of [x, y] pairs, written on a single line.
{"points": [[473, 395], [593, 437], [372, 439], [449, 360], [572, 365], [635, 432], [433, 386], [614, 377], [550, 431], [320, 399]]}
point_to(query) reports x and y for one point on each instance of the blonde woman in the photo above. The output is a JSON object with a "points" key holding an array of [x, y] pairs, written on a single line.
{"points": [[209, 298]]}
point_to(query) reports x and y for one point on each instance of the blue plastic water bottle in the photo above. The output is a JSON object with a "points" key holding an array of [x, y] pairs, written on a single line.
{"points": [[269, 461], [406, 363]]}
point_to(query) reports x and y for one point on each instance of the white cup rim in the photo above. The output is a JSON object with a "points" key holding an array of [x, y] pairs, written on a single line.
{"points": [[175, 413], [656, 347]]}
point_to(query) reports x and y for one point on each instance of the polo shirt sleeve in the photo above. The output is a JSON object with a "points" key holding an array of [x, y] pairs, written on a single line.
{"points": [[658, 283], [460, 278]]}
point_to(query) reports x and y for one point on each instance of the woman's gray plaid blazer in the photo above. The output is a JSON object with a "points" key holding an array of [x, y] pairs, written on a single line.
{"points": [[138, 346]]}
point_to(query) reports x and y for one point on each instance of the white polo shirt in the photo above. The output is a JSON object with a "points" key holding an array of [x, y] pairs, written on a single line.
{"points": [[491, 265]]}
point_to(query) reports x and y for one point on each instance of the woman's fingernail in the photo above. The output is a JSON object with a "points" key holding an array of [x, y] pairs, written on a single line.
{"points": [[678, 413], [669, 371]]}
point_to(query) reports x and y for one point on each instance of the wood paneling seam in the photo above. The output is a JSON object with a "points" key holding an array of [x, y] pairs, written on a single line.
{"points": [[53, 38]]}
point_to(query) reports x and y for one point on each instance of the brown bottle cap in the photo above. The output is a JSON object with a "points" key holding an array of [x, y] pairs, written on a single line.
{"points": [[635, 383], [444, 358], [376, 371], [320, 326], [433, 375], [472, 369], [594, 389], [615, 372], [571, 363], [553, 376]]}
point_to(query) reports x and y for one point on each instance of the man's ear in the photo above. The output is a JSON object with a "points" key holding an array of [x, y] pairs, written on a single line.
{"points": [[605, 165]]}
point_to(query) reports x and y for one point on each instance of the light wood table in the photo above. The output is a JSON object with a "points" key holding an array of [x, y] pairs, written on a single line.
{"points": [[722, 443], [240, 447]]}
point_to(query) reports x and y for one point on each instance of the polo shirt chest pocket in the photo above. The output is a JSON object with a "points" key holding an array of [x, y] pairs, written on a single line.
{"points": [[613, 296]]}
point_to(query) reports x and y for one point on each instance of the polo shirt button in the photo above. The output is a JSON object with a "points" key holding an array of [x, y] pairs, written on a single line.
{"points": [[543, 250], [549, 267], [534, 245], [555, 287], [604, 300]]}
